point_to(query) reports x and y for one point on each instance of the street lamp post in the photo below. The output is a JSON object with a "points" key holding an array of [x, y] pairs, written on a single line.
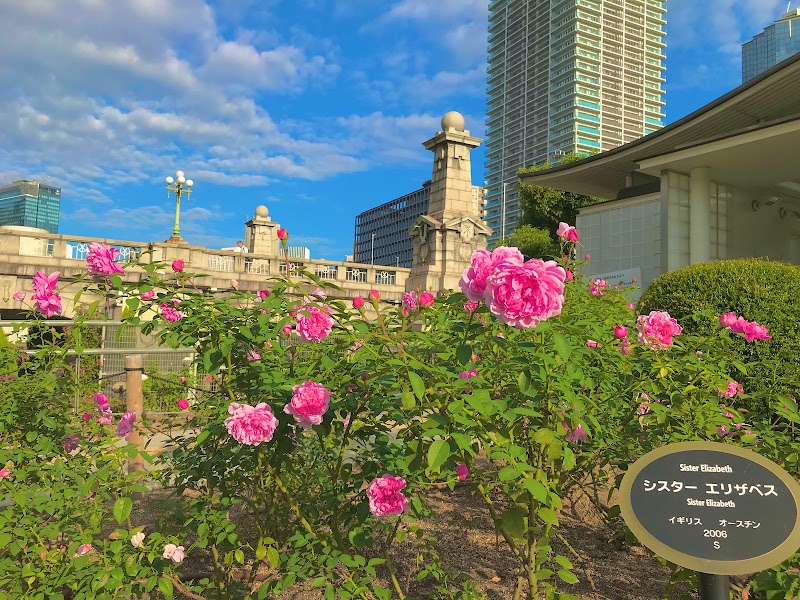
{"points": [[181, 186]]}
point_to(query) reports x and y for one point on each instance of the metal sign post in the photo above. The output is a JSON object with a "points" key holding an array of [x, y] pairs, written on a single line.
{"points": [[714, 587]]}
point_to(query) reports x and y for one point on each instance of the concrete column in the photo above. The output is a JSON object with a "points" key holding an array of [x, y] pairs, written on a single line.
{"points": [[699, 215]]}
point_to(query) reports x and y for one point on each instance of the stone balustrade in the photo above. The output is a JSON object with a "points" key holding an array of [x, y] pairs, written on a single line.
{"points": [[24, 251]]}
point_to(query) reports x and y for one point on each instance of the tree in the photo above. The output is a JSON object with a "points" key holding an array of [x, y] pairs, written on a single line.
{"points": [[533, 242], [545, 208]]}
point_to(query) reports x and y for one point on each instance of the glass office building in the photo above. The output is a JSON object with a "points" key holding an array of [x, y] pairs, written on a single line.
{"points": [[30, 204], [776, 43], [566, 76], [381, 235]]}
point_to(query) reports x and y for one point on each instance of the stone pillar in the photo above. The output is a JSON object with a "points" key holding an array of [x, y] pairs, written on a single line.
{"points": [[699, 215], [444, 238], [261, 234]]}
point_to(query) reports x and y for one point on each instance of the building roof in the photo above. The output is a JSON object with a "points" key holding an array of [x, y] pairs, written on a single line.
{"points": [[766, 99]]}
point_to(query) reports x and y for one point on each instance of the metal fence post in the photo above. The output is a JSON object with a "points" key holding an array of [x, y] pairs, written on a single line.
{"points": [[134, 369]]}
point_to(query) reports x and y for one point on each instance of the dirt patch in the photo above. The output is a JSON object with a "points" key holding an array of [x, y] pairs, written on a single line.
{"points": [[467, 544]]}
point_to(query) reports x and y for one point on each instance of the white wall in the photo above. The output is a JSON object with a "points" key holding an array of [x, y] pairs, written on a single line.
{"points": [[622, 235], [761, 233]]}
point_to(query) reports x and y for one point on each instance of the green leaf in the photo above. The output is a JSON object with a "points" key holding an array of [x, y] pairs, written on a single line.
{"points": [[481, 401], [407, 400], [564, 562], [535, 489], [464, 441], [548, 516], [417, 385], [5, 538], [513, 519], [562, 346], [508, 473], [273, 557], [543, 436], [239, 556], [165, 586], [438, 453], [567, 576], [464, 354], [202, 437], [261, 552], [122, 509]]}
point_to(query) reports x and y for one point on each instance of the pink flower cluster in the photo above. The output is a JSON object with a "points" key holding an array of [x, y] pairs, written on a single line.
{"points": [[462, 471], [597, 286], [173, 553], [657, 329], [518, 293], [308, 404], [148, 295], [751, 329], [314, 324], [45, 293], [125, 425], [251, 425], [70, 442], [100, 259], [567, 232], [104, 416], [468, 374], [734, 388], [261, 295], [385, 496], [169, 312]]}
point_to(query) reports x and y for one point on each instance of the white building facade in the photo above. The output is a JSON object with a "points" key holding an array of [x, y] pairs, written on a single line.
{"points": [[566, 76], [720, 183]]}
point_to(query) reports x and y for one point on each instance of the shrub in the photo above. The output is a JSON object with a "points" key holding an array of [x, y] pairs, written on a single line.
{"points": [[758, 290]]}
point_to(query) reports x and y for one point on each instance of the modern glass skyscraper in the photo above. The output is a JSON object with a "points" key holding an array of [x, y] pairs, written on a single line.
{"points": [[566, 76], [776, 43], [30, 204]]}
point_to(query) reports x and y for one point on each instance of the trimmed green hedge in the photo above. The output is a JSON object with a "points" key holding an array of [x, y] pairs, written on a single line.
{"points": [[758, 290]]}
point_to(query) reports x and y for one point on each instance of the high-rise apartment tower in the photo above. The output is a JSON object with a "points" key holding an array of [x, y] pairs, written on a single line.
{"points": [[776, 43], [566, 76], [30, 204]]}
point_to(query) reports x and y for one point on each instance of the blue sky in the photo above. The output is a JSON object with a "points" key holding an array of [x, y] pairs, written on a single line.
{"points": [[315, 108]]}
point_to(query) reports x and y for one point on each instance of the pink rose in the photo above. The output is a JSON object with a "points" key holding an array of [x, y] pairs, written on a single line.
{"points": [[577, 435], [169, 313], [177, 265], [470, 306], [183, 404], [125, 425], [309, 404], [101, 401], [235, 284], [313, 324], [468, 374], [484, 263], [83, 549], [183, 379], [208, 378], [18, 296], [251, 425], [462, 471], [620, 332], [283, 235], [567, 232], [5, 472], [592, 344], [587, 257], [100, 259], [46, 294], [728, 319], [86, 416], [173, 553], [385, 496], [426, 299], [570, 275], [374, 295], [631, 306], [734, 388], [287, 329], [70, 442], [753, 331], [137, 539], [410, 301], [253, 356], [358, 302], [525, 294], [625, 347], [149, 295], [656, 329]]}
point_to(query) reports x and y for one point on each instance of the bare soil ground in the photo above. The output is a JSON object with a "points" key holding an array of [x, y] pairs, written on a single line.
{"points": [[607, 569]]}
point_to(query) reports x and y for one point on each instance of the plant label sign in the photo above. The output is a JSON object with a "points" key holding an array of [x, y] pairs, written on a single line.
{"points": [[713, 508]]}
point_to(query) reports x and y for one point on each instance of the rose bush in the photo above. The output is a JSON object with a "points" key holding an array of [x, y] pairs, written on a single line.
{"points": [[330, 423]]}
